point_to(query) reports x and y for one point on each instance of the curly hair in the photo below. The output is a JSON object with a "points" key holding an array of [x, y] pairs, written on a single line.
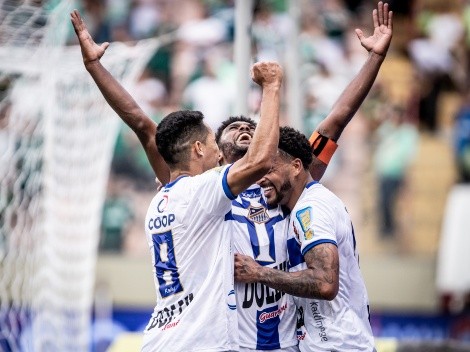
{"points": [[296, 145], [177, 131], [229, 121]]}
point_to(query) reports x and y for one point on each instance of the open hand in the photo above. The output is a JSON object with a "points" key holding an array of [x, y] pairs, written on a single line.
{"points": [[90, 50], [379, 42]]}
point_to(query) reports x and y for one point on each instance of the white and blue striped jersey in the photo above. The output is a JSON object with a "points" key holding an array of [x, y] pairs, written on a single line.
{"points": [[266, 317], [343, 323], [190, 243]]}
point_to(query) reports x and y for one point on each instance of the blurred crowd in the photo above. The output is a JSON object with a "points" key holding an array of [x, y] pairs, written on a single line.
{"points": [[195, 70]]}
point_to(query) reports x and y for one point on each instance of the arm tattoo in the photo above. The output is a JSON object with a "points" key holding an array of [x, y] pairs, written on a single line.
{"points": [[320, 280]]}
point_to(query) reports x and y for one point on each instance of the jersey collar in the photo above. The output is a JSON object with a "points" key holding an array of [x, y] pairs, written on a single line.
{"points": [[172, 183], [310, 184]]}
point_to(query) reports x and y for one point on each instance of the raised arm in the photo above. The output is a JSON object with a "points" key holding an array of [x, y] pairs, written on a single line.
{"points": [[320, 280], [118, 98], [354, 94], [258, 158]]}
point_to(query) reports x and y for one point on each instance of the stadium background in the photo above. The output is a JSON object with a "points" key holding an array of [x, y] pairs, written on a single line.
{"points": [[414, 305]]}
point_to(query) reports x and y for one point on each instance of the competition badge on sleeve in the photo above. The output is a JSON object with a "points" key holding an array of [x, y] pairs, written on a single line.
{"points": [[304, 217]]}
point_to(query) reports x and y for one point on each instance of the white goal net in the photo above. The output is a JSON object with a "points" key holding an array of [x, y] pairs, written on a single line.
{"points": [[56, 140]]}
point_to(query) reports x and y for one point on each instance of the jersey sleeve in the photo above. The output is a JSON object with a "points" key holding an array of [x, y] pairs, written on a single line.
{"points": [[211, 191], [314, 224]]}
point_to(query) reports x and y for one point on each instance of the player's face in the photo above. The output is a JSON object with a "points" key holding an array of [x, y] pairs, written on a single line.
{"points": [[236, 139], [276, 184], [211, 152]]}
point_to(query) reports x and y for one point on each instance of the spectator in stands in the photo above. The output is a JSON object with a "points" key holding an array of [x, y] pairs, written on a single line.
{"points": [[396, 148], [434, 58], [209, 94]]}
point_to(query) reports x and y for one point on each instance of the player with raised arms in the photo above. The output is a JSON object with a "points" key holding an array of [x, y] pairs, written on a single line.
{"points": [[260, 231], [188, 237], [323, 259]]}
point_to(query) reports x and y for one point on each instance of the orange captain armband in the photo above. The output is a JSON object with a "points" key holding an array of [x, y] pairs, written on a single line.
{"points": [[322, 147]]}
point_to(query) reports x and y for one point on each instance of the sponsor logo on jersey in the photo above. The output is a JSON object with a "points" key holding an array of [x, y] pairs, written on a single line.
{"points": [[304, 216], [171, 325], [319, 324], [258, 214], [270, 315], [162, 204], [261, 294], [251, 193], [166, 316], [300, 324], [161, 221], [231, 301]]}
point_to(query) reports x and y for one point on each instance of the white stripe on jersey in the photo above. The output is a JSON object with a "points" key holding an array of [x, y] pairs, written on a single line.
{"points": [[193, 266], [343, 323], [266, 317]]}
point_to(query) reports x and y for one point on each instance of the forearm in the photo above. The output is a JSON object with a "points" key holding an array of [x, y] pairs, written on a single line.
{"points": [[351, 99], [258, 159], [118, 98], [130, 112], [301, 284], [266, 138]]}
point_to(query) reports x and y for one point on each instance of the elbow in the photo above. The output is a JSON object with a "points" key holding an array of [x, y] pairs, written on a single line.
{"points": [[329, 292]]}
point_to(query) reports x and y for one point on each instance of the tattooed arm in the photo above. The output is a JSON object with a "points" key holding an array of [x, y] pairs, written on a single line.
{"points": [[320, 280]]}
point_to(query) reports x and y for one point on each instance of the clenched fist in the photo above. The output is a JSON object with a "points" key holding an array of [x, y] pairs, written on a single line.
{"points": [[267, 73]]}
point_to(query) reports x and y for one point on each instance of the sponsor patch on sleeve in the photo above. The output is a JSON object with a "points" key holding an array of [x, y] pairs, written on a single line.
{"points": [[304, 216]]}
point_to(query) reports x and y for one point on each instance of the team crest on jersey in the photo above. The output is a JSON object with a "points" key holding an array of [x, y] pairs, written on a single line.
{"points": [[258, 214], [304, 217]]}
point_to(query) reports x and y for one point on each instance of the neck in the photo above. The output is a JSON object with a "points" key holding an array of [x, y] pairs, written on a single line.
{"points": [[299, 185], [192, 170]]}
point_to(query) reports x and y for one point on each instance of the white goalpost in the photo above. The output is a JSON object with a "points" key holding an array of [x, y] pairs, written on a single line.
{"points": [[56, 141]]}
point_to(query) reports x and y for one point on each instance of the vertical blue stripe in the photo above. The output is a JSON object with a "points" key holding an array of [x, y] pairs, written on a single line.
{"points": [[295, 255], [267, 336]]}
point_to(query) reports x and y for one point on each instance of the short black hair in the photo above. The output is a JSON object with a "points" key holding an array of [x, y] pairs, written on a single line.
{"points": [[295, 144], [176, 132], [229, 121]]}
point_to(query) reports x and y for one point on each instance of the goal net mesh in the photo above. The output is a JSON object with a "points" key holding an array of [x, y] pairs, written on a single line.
{"points": [[56, 141]]}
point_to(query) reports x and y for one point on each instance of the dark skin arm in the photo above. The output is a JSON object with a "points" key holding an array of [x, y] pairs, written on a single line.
{"points": [[354, 94], [258, 158], [118, 98], [320, 280]]}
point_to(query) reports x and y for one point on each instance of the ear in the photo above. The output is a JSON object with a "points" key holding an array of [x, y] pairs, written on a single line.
{"points": [[199, 148], [221, 157], [296, 166]]}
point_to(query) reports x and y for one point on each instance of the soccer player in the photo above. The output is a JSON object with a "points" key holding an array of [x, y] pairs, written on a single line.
{"points": [[324, 271], [189, 239], [266, 317]]}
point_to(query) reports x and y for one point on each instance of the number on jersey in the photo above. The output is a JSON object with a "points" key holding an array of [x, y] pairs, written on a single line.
{"points": [[165, 264]]}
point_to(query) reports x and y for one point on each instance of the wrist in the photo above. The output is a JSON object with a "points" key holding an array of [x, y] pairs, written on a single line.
{"points": [[262, 274], [377, 57], [272, 87], [91, 64]]}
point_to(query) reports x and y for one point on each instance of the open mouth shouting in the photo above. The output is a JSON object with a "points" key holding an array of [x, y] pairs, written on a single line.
{"points": [[244, 138]]}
